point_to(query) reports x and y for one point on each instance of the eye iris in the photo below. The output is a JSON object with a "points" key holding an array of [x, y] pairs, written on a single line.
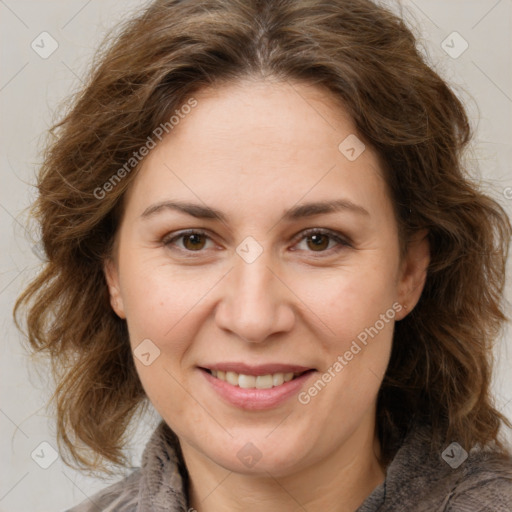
{"points": [[317, 241], [193, 237]]}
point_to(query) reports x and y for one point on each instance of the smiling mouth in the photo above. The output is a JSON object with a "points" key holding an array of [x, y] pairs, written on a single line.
{"points": [[255, 382]]}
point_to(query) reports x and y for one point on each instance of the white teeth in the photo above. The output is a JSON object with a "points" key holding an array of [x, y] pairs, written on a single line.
{"points": [[251, 382], [277, 379], [246, 381], [232, 378], [264, 381]]}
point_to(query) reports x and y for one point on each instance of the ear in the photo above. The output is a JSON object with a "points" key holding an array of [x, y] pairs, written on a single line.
{"points": [[112, 277], [413, 273]]}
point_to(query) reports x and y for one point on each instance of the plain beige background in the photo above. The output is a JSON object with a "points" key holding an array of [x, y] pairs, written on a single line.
{"points": [[475, 60]]}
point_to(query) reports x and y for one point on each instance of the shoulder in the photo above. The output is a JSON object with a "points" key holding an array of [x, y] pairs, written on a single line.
{"points": [[484, 484], [427, 477], [121, 496], [157, 485]]}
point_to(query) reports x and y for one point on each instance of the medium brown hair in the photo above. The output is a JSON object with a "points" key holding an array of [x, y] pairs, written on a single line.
{"points": [[365, 56]]}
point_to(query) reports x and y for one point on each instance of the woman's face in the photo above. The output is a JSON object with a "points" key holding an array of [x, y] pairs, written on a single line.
{"points": [[266, 285]]}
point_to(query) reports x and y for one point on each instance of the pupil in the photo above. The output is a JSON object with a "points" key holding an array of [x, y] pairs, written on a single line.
{"points": [[193, 239], [317, 240]]}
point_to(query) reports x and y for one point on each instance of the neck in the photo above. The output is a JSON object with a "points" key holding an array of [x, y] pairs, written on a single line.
{"points": [[338, 483]]}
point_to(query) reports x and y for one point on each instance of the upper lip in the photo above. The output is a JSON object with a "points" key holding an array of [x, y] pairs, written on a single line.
{"points": [[260, 369]]}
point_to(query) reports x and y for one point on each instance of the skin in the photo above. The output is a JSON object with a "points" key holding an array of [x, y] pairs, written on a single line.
{"points": [[253, 150]]}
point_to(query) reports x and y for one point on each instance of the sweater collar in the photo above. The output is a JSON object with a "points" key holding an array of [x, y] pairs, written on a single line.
{"points": [[164, 477]]}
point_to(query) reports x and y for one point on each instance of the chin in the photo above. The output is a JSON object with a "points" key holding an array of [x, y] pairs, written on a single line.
{"points": [[258, 457]]}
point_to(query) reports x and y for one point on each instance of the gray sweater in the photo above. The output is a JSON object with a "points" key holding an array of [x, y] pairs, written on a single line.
{"points": [[416, 480]]}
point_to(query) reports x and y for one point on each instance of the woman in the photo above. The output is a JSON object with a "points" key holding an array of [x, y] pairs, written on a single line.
{"points": [[257, 220]]}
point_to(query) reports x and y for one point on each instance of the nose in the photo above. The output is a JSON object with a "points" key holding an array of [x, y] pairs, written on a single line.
{"points": [[255, 302]]}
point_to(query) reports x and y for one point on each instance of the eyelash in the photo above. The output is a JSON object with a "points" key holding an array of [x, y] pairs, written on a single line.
{"points": [[338, 238]]}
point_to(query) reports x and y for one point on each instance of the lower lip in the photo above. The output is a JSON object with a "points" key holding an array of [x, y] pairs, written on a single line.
{"points": [[256, 399]]}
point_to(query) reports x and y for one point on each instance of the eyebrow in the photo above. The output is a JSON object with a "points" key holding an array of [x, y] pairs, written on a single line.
{"points": [[297, 212]]}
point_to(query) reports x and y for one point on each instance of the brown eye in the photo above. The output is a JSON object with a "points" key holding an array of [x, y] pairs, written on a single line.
{"points": [[193, 241], [318, 242]]}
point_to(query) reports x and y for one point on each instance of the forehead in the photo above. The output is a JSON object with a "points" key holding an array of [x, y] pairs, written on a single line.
{"points": [[261, 144], [276, 116]]}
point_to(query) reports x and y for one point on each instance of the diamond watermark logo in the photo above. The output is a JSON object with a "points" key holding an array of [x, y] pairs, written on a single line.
{"points": [[44, 455], [454, 455], [352, 147], [249, 455], [454, 45], [44, 45], [249, 250], [146, 352]]}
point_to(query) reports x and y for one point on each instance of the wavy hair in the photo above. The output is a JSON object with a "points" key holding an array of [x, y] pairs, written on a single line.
{"points": [[365, 55]]}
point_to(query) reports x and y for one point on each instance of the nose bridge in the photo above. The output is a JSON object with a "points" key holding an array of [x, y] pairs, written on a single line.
{"points": [[254, 304]]}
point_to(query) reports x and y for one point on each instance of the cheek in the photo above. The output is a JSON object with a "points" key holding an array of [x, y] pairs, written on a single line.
{"points": [[356, 316], [159, 299], [350, 300], [162, 305]]}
